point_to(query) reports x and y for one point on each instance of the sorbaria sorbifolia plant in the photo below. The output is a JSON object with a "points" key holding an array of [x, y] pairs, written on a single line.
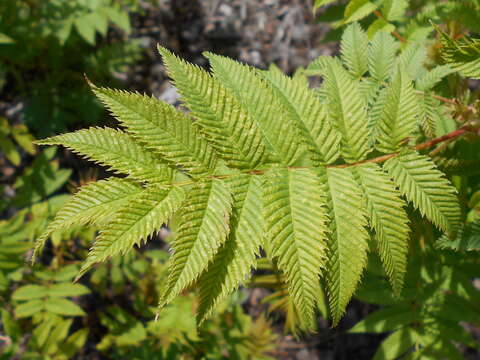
{"points": [[312, 177]]}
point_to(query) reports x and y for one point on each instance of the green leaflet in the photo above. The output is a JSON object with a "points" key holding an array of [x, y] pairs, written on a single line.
{"points": [[161, 128], [466, 239], [310, 116], [296, 227], [317, 67], [431, 112], [229, 127], [347, 111], [357, 10], [375, 114], [462, 55], [387, 319], [93, 204], [203, 228], [114, 149], [381, 55], [369, 90], [138, 219], [411, 59], [396, 344], [394, 10], [85, 26], [432, 77], [279, 299], [348, 242], [259, 100], [353, 50], [389, 219], [379, 25], [320, 3], [398, 119], [237, 256], [5, 39], [30, 292], [425, 186]]}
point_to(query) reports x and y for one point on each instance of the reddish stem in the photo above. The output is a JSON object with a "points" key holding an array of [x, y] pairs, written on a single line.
{"points": [[425, 145], [379, 15]]}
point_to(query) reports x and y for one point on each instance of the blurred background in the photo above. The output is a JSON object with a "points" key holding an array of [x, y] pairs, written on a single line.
{"points": [[47, 47]]}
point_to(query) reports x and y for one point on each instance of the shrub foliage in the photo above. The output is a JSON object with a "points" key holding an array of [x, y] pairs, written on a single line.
{"points": [[264, 165]]}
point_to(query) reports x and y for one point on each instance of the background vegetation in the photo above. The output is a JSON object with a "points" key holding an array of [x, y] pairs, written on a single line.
{"points": [[46, 48]]}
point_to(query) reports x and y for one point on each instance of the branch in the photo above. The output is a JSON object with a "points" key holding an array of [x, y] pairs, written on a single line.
{"points": [[438, 97], [425, 145], [379, 15], [453, 102]]}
